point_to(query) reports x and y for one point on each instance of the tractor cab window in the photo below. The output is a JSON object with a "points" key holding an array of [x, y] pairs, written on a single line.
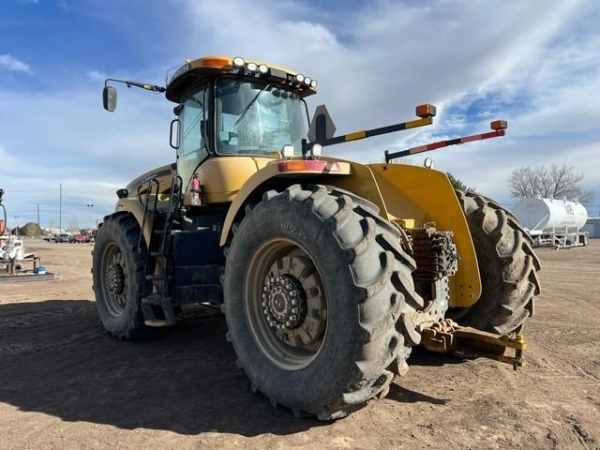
{"points": [[257, 118], [192, 138]]}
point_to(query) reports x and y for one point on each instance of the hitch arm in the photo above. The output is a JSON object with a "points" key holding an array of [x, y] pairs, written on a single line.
{"points": [[448, 337]]}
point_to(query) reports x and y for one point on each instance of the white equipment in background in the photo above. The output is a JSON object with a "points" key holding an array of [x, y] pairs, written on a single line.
{"points": [[13, 250], [553, 222]]}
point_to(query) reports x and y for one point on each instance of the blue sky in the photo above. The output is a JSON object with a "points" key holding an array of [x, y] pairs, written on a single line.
{"points": [[534, 64]]}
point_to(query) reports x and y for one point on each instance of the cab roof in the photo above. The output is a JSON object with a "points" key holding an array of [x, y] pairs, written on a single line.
{"points": [[194, 70]]}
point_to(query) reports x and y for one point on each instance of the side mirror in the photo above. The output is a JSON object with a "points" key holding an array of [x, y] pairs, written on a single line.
{"points": [[321, 126], [109, 98]]}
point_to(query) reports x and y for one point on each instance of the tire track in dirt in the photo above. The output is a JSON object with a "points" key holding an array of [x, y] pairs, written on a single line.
{"points": [[571, 434]]}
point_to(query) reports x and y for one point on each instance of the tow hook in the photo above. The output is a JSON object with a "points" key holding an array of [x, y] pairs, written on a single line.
{"points": [[447, 336]]}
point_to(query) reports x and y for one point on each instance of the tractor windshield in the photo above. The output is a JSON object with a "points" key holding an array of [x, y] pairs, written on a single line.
{"points": [[257, 118]]}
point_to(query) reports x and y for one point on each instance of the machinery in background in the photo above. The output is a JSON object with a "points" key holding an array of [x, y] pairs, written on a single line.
{"points": [[13, 256]]}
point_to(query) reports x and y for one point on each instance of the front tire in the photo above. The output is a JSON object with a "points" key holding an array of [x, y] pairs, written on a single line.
{"points": [[118, 274], [313, 294], [507, 265]]}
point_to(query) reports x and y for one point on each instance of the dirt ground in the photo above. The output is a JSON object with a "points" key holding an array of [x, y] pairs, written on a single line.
{"points": [[65, 384]]}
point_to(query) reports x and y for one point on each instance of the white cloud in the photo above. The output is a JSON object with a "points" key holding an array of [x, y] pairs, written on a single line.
{"points": [[13, 64], [96, 75]]}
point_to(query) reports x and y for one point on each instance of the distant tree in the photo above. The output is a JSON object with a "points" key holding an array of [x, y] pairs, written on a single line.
{"points": [[457, 184], [29, 229], [554, 182]]}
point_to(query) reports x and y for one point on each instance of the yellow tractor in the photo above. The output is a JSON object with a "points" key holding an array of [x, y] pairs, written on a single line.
{"points": [[328, 271]]}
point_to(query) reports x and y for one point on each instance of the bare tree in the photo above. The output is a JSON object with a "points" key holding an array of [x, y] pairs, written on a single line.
{"points": [[554, 182]]}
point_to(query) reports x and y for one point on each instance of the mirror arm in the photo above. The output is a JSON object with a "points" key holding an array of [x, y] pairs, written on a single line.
{"points": [[129, 83]]}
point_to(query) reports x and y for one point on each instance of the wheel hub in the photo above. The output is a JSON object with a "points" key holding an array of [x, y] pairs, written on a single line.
{"points": [[115, 279], [283, 301], [293, 302]]}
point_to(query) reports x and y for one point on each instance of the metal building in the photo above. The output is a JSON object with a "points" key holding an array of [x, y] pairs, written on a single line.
{"points": [[592, 226]]}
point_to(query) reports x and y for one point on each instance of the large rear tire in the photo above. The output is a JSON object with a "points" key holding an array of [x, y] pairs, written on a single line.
{"points": [[118, 274], [507, 265], [318, 295]]}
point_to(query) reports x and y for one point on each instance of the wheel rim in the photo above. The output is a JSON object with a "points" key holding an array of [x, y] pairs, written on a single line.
{"points": [[115, 282], [285, 304]]}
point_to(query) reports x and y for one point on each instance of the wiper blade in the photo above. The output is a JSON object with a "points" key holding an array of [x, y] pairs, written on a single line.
{"points": [[251, 103]]}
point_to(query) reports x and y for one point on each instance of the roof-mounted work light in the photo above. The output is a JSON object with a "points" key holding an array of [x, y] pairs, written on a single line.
{"points": [[238, 62]]}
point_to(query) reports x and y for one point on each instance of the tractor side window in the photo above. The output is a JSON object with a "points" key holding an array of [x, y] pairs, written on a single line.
{"points": [[192, 140]]}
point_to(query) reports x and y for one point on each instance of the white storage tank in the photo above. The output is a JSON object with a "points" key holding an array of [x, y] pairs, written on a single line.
{"points": [[547, 214]]}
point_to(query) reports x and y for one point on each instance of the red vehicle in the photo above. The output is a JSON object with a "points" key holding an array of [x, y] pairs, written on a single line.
{"points": [[80, 239]]}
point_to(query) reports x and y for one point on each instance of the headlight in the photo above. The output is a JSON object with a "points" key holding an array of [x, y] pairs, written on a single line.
{"points": [[317, 149], [299, 78], [252, 67], [313, 84], [263, 69], [307, 81], [288, 151], [238, 62]]}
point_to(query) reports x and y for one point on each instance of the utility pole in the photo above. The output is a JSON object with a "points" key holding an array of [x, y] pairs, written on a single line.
{"points": [[60, 210]]}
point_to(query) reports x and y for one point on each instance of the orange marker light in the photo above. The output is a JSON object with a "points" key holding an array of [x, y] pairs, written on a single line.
{"points": [[425, 111], [499, 125], [308, 166], [217, 63]]}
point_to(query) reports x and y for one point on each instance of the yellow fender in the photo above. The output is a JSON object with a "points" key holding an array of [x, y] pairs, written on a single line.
{"points": [[426, 195]]}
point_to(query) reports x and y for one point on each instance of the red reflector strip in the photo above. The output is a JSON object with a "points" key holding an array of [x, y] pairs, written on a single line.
{"points": [[308, 166], [463, 140], [434, 145]]}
